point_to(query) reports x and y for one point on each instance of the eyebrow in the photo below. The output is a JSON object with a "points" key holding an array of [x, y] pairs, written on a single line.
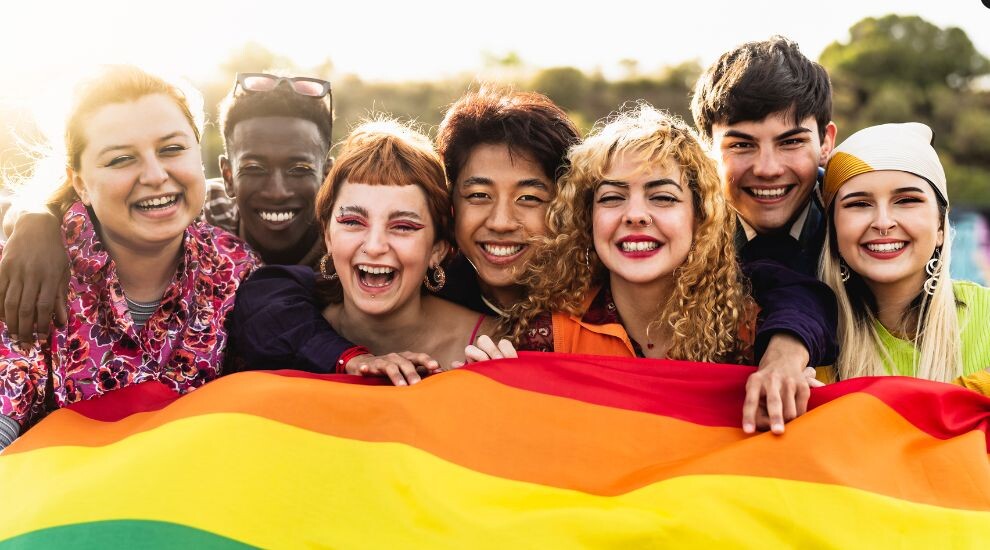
{"points": [[361, 211], [167, 137], [292, 158], [855, 194], [789, 133], [909, 190], [534, 183], [530, 182], [649, 185], [476, 180], [404, 214]]}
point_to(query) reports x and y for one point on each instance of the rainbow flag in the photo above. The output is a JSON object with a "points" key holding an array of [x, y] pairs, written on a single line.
{"points": [[544, 451]]}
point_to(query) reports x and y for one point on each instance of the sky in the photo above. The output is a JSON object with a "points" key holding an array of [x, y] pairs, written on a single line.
{"points": [[43, 40]]}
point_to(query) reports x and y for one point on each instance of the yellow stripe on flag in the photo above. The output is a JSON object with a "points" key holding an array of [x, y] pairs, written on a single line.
{"points": [[245, 477]]}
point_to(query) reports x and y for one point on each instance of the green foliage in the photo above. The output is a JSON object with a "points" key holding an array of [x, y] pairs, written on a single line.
{"points": [[891, 69], [898, 69], [566, 86], [896, 50]]}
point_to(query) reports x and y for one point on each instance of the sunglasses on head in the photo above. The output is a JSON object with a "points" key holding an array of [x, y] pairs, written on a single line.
{"points": [[302, 85]]}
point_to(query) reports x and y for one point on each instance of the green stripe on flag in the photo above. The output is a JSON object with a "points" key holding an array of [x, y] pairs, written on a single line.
{"points": [[130, 534]]}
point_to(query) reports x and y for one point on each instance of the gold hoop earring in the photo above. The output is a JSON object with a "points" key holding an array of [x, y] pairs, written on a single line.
{"points": [[435, 281], [324, 261], [934, 270], [843, 271]]}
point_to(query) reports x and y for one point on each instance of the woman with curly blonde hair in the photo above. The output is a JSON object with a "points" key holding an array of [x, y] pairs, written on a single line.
{"points": [[642, 262]]}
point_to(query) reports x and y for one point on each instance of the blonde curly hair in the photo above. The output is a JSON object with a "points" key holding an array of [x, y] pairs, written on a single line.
{"points": [[711, 300]]}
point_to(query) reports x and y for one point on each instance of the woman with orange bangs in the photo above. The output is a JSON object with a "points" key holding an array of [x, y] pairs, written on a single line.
{"points": [[386, 217]]}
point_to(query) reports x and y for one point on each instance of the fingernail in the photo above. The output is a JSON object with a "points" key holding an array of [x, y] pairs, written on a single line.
{"points": [[749, 428], [777, 428], [400, 383]]}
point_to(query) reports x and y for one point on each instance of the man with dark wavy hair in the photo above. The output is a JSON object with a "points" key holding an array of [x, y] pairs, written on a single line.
{"points": [[503, 152], [765, 110]]}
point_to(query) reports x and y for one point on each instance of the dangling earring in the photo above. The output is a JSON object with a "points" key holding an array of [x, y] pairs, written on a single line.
{"points": [[323, 268], [843, 270], [587, 258], [435, 281], [934, 269]]}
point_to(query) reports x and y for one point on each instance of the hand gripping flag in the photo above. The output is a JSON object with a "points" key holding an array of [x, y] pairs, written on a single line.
{"points": [[545, 451]]}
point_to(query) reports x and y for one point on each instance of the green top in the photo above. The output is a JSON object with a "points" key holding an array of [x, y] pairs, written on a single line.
{"points": [[974, 328]]}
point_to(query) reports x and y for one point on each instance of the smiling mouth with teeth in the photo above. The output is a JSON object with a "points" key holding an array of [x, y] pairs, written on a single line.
{"points": [[375, 276], [638, 246], [157, 202], [768, 192], [502, 251], [885, 247], [276, 215]]}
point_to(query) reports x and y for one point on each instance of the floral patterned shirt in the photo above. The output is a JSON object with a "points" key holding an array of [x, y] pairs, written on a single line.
{"points": [[101, 349]]}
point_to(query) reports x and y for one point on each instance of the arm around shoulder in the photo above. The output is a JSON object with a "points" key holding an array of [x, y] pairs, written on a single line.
{"points": [[795, 304], [34, 276], [278, 324]]}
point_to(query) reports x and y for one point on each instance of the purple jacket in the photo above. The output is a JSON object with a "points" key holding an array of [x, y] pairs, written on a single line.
{"points": [[278, 323]]}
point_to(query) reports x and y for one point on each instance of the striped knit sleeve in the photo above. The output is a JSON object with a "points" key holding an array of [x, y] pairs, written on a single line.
{"points": [[974, 325], [9, 429]]}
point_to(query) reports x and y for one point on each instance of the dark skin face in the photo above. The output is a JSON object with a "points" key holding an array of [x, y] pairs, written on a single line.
{"points": [[274, 167]]}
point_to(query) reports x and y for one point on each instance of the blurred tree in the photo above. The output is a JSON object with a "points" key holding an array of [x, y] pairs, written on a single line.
{"points": [[630, 67], [904, 49], [566, 86], [900, 68], [254, 58], [324, 69], [509, 60], [684, 75]]}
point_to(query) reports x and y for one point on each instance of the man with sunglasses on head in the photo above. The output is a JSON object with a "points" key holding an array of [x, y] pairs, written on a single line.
{"points": [[277, 134], [276, 139]]}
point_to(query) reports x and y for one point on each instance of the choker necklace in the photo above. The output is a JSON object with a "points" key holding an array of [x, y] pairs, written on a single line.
{"points": [[498, 311]]}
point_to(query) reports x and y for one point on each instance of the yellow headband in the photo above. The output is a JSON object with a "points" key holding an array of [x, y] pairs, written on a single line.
{"points": [[905, 147]]}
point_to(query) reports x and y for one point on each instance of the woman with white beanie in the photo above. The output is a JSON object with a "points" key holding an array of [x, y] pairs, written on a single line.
{"points": [[887, 259]]}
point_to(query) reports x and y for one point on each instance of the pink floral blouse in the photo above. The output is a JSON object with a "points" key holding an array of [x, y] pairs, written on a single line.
{"points": [[100, 348]]}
